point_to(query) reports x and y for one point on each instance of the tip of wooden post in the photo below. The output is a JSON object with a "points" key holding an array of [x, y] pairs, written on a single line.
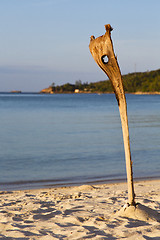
{"points": [[92, 38], [108, 27]]}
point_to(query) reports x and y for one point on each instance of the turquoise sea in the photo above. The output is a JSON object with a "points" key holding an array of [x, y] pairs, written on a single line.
{"points": [[71, 139]]}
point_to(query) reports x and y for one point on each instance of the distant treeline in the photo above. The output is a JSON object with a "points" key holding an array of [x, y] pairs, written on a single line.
{"points": [[133, 82]]}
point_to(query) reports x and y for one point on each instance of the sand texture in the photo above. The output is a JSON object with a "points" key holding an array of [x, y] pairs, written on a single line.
{"points": [[83, 212]]}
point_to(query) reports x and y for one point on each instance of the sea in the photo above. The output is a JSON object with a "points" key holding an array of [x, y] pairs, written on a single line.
{"points": [[51, 140]]}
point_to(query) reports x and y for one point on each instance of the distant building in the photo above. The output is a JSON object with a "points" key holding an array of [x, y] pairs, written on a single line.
{"points": [[76, 90]]}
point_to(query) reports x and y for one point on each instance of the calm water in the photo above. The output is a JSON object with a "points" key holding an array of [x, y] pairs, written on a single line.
{"points": [[46, 140]]}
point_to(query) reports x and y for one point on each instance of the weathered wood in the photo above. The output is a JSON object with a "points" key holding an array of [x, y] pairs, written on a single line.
{"points": [[102, 51]]}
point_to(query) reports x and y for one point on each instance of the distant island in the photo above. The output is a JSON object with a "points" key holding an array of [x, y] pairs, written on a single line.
{"points": [[16, 91], [137, 83]]}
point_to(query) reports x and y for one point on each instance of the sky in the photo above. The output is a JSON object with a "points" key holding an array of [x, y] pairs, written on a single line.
{"points": [[46, 41]]}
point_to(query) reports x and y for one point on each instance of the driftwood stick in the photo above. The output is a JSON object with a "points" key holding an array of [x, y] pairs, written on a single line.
{"points": [[102, 51]]}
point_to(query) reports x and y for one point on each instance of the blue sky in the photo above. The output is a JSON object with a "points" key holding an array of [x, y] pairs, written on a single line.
{"points": [[46, 41]]}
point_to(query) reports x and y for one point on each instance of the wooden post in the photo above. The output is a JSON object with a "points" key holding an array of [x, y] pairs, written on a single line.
{"points": [[102, 51]]}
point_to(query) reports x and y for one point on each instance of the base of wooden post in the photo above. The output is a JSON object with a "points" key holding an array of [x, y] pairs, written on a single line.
{"points": [[139, 212]]}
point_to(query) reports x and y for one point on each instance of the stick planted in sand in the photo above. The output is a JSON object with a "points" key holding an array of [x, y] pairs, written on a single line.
{"points": [[102, 51]]}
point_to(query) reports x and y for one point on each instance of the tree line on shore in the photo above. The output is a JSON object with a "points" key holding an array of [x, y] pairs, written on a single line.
{"points": [[133, 82]]}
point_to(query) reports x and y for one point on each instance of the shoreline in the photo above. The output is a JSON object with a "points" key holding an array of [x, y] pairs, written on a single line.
{"points": [[77, 212], [40, 184], [81, 92]]}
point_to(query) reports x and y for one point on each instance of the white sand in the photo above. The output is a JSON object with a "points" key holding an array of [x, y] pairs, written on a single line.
{"points": [[84, 212]]}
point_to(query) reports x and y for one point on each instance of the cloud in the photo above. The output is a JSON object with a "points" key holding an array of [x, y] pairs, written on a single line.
{"points": [[7, 69]]}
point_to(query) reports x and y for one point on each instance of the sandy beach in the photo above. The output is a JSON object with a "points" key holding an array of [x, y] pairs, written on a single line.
{"points": [[81, 212]]}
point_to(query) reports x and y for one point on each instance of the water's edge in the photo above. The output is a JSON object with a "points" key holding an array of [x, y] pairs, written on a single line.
{"points": [[41, 184]]}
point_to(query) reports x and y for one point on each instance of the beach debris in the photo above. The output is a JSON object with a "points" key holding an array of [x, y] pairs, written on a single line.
{"points": [[102, 51]]}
